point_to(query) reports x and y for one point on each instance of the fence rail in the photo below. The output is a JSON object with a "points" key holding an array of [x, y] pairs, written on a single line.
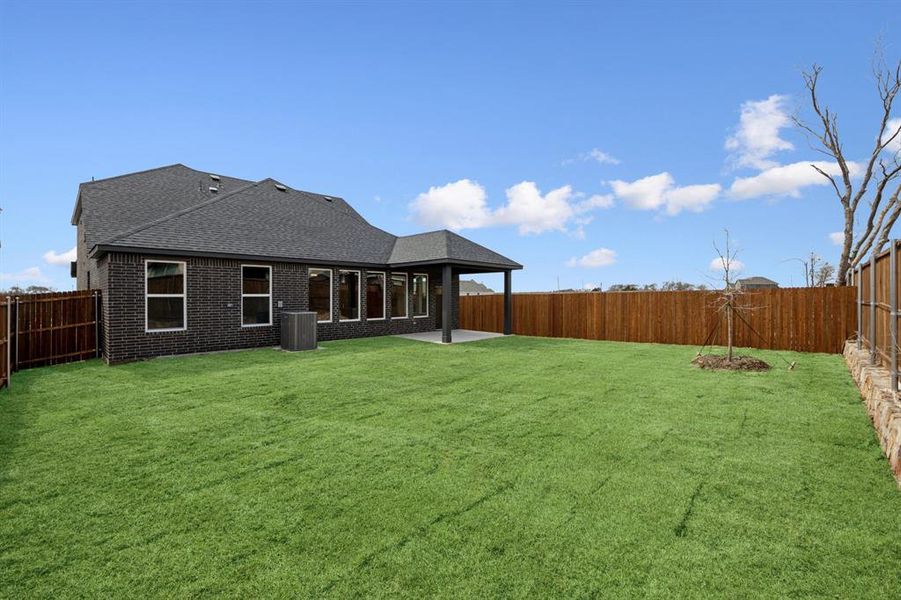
{"points": [[877, 283], [48, 329], [800, 319]]}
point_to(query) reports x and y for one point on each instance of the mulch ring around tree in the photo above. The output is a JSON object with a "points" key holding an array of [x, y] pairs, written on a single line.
{"points": [[738, 363]]}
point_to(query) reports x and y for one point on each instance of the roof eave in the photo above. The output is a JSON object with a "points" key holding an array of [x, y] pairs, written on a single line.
{"points": [[76, 212], [100, 249], [512, 266]]}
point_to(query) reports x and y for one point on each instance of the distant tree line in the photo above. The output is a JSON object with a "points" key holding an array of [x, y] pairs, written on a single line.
{"points": [[31, 289]]}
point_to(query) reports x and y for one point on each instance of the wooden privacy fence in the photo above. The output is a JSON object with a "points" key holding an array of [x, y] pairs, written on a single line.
{"points": [[877, 283], [801, 319], [48, 329]]}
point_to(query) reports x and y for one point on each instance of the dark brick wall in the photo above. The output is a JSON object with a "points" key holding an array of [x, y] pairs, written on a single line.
{"points": [[85, 265], [214, 308]]}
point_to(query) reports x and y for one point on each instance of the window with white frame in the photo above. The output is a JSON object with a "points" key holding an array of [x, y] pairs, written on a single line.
{"points": [[398, 295], [348, 295], [375, 296], [320, 294], [165, 300], [420, 295], [256, 295]]}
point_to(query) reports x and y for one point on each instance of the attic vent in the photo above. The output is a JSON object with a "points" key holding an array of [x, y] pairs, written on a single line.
{"points": [[280, 187], [214, 189], [214, 177], [328, 198]]}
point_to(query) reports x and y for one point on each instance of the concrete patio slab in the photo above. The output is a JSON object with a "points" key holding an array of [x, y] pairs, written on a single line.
{"points": [[458, 336]]}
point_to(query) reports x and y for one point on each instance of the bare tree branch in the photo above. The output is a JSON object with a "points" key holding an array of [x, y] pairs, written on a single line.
{"points": [[881, 213]]}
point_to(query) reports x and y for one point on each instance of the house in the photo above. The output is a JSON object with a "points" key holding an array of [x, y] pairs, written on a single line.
{"points": [[471, 287], [189, 261], [756, 283]]}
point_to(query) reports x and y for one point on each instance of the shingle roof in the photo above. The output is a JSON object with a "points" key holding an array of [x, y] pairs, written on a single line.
{"points": [[470, 286], [441, 246], [171, 209], [756, 280]]}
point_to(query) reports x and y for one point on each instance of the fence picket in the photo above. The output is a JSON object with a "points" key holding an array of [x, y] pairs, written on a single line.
{"points": [[802, 319]]}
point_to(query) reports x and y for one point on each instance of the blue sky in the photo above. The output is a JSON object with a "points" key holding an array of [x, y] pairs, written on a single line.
{"points": [[590, 143]]}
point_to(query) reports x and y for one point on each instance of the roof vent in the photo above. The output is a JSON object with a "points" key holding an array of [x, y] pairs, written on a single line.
{"points": [[280, 187], [328, 198], [214, 189], [214, 177]]}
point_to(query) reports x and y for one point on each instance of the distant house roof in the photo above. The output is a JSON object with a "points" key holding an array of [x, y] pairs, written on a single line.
{"points": [[179, 210], [468, 286], [757, 281]]}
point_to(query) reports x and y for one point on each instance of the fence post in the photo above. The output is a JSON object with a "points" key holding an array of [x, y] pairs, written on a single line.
{"points": [[893, 313], [872, 337], [97, 324], [17, 334], [9, 346], [859, 281]]}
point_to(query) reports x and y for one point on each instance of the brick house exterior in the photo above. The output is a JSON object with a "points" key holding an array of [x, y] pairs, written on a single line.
{"points": [[212, 299]]}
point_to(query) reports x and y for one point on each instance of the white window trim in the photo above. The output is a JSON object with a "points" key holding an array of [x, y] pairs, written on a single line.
{"points": [[359, 300], [406, 293], [384, 295], [427, 294], [331, 292], [183, 295], [269, 295]]}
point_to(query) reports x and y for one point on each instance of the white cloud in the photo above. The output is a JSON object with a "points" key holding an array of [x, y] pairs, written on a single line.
{"points": [[589, 286], [602, 158], [595, 201], [595, 154], [457, 205], [694, 198], [52, 258], [29, 275], [756, 138], [891, 127], [602, 257], [463, 205], [837, 237], [533, 212], [735, 265], [660, 192], [786, 180]]}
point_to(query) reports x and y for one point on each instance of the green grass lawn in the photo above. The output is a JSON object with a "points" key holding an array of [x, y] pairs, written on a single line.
{"points": [[508, 467]]}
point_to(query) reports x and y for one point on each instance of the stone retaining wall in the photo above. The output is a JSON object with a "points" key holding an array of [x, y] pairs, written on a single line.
{"points": [[883, 406]]}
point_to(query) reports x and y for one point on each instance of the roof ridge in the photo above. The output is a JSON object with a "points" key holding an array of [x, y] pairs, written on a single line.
{"points": [[135, 173], [157, 169], [183, 211]]}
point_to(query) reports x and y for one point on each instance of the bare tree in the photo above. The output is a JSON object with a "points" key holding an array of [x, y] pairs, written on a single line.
{"points": [[880, 170], [823, 275], [817, 272], [727, 258]]}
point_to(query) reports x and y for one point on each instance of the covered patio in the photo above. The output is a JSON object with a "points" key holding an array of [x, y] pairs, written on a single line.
{"points": [[453, 255]]}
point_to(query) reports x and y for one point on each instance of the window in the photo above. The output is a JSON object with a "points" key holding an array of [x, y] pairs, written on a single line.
{"points": [[420, 295], [165, 305], [375, 296], [256, 295], [349, 295], [321, 294], [398, 295]]}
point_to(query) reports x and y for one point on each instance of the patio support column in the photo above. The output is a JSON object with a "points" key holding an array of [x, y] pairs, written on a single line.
{"points": [[508, 302], [447, 317]]}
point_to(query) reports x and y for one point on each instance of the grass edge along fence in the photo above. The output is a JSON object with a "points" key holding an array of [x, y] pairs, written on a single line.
{"points": [[798, 319], [876, 282], [48, 329]]}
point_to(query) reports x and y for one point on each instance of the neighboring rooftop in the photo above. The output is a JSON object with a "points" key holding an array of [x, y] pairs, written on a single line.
{"points": [[176, 209], [756, 281], [471, 287]]}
